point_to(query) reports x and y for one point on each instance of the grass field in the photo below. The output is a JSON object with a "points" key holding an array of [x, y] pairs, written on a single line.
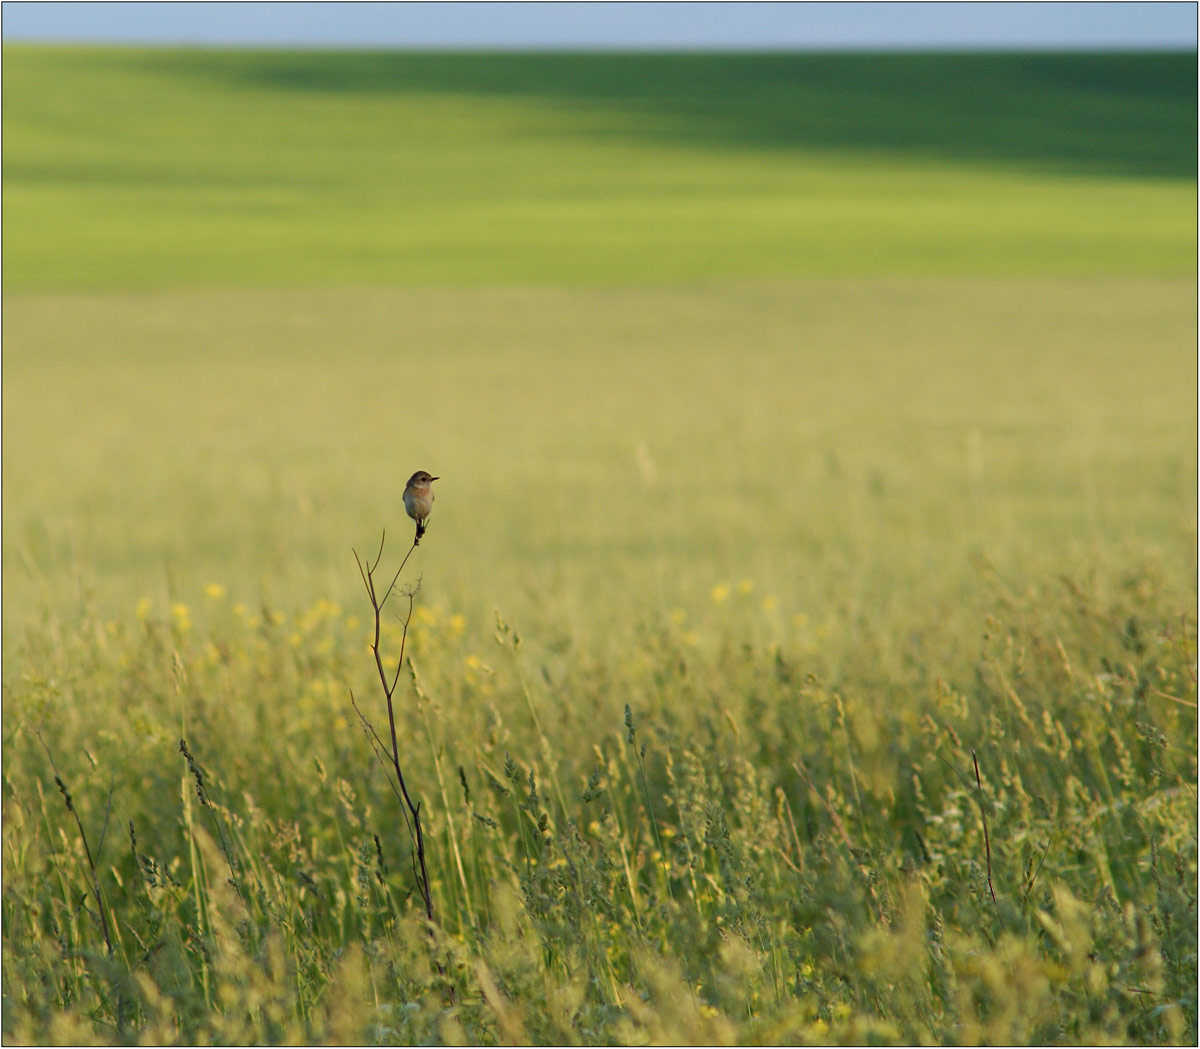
{"points": [[806, 425]]}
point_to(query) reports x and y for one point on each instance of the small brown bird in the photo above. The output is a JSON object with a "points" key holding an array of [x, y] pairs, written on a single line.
{"points": [[418, 500]]}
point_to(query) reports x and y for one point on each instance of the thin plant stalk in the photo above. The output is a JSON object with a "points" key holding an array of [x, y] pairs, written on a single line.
{"points": [[388, 682]]}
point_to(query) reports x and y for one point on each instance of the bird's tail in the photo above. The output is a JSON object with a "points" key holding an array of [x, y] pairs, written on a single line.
{"points": [[420, 532]]}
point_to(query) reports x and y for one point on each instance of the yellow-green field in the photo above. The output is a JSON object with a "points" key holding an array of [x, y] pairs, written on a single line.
{"points": [[828, 419]]}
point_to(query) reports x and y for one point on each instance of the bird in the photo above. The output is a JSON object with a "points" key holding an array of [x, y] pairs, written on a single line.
{"points": [[418, 500]]}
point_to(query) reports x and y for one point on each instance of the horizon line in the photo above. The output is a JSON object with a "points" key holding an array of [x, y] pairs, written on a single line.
{"points": [[611, 48]]}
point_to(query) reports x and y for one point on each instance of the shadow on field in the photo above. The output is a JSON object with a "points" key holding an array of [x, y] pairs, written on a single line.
{"points": [[1098, 113]]}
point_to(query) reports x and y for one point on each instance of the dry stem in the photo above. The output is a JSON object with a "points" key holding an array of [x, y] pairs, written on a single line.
{"points": [[388, 683]]}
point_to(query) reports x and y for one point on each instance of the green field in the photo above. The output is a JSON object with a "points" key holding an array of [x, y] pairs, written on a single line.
{"points": [[833, 415]]}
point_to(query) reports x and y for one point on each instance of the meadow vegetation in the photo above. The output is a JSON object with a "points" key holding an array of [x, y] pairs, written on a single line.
{"points": [[805, 648]]}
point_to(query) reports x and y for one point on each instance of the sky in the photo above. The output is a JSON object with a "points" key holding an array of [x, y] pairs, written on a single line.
{"points": [[784, 26]]}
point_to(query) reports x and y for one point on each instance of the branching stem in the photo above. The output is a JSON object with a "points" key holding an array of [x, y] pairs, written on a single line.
{"points": [[388, 682]]}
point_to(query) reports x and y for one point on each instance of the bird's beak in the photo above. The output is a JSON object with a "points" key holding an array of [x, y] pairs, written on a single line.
{"points": [[433, 479]]}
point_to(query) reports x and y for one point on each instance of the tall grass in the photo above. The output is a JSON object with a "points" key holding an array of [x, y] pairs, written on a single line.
{"points": [[759, 848]]}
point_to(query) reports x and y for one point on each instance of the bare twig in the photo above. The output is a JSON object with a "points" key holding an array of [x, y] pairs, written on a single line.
{"points": [[388, 681], [381, 754]]}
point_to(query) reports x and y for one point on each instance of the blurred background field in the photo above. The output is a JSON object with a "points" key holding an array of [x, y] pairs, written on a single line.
{"points": [[874, 373], [150, 169], [658, 320]]}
